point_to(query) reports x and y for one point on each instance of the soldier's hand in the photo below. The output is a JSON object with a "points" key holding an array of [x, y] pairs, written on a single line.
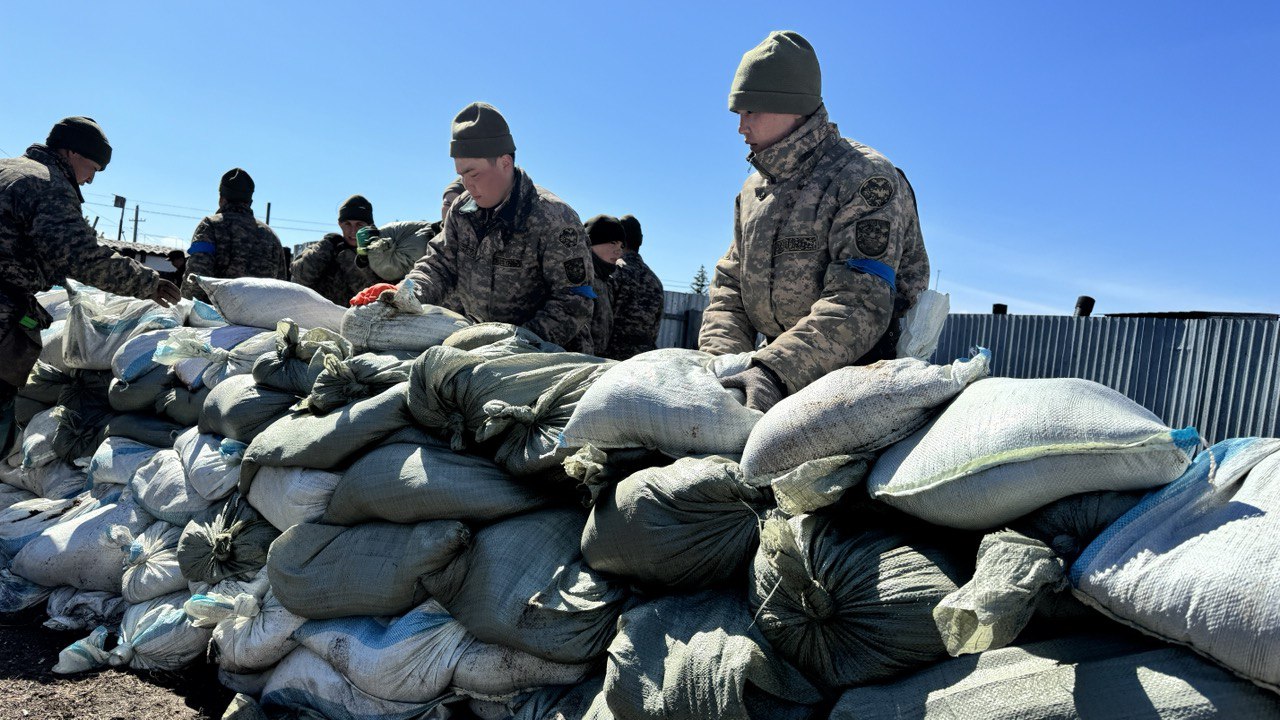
{"points": [[166, 293], [762, 386], [363, 236]]}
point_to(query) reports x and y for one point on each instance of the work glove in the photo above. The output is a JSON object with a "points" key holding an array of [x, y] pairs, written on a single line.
{"points": [[371, 294], [762, 386], [363, 236], [166, 293]]}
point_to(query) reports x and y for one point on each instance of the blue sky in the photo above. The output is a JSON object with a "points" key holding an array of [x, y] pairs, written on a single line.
{"points": [[1121, 150]]}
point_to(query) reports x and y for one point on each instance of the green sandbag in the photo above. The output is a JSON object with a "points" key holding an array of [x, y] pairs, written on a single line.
{"points": [[343, 381], [233, 545], [149, 429], [240, 409], [141, 393]]}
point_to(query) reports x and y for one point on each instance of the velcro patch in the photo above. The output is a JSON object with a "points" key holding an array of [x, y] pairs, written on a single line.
{"points": [[500, 261], [569, 237], [576, 271], [872, 237], [795, 243], [876, 190]]}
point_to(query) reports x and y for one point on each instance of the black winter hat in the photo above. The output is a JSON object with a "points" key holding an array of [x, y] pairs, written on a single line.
{"points": [[81, 135], [356, 208], [454, 188], [632, 226], [480, 131], [236, 186], [603, 229]]}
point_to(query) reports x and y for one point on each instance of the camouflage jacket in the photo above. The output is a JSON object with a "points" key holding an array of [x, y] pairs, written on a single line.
{"points": [[233, 244], [526, 262], [329, 267], [45, 239], [638, 305], [602, 315], [826, 257]]}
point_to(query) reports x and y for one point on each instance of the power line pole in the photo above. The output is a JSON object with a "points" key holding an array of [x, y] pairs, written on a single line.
{"points": [[135, 224], [268, 220]]}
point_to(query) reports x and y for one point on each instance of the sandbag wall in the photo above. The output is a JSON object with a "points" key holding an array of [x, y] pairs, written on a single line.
{"points": [[430, 519]]}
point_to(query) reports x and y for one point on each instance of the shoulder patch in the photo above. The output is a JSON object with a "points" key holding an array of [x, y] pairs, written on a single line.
{"points": [[872, 237], [575, 270], [568, 237], [876, 190]]}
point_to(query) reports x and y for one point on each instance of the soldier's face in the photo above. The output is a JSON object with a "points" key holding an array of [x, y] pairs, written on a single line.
{"points": [[762, 130], [448, 202], [608, 252], [487, 179], [349, 228], [83, 167]]}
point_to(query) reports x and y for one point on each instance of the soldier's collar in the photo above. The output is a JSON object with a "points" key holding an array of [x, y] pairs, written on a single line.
{"points": [[794, 153], [49, 156]]}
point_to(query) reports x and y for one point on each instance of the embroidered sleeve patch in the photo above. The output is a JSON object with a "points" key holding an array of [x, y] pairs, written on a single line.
{"points": [[576, 271], [795, 243], [568, 237], [876, 190], [872, 237]]}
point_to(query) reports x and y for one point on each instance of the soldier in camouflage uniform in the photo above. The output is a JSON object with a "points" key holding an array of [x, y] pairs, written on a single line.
{"points": [[637, 299], [332, 266], [827, 254], [512, 251], [606, 235], [232, 243], [44, 239]]}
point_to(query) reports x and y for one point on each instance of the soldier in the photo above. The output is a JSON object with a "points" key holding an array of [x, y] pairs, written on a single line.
{"points": [[232, 243], [512, 251], [606, 235], [827, 254], [332, 266], [637, 299], [44, 239], [178, 259], [451, 193]]}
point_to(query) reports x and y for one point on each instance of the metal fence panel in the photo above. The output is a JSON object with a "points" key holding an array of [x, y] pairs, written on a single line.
{"points": [[682, 316]]}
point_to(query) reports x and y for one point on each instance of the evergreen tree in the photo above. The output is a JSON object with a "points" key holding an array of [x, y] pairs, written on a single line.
{"points": [[700, 283]]}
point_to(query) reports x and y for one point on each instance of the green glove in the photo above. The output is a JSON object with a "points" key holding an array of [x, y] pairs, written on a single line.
{"points": [[362, 240]]}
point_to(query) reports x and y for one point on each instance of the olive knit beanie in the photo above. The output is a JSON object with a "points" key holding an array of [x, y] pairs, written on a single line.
{"points": [[780, 75]]}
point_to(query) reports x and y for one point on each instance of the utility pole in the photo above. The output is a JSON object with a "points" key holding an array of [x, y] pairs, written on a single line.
{"points": [[135, 224], [120, 203], [268, 220]]}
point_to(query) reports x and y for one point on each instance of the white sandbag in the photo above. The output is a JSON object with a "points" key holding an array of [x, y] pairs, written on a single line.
{"points": [[398, 247], [398, 321], [37, 439], [86, 551], [922, 325], [498, 672], [158, 635], [162, 488], [221, 364], [263, 302], [135, 358], [96, 330], [18, 593], [202, 314], [211, 473], [258, 586], [1005, 447], [85, 654], [289, 496], [151, 565], [51, 340], [58, 479], [117, 459], [71, 610], [304, 681], [669, 400], [192, 352], [22, 521], [408, 659], [256, 634], [858, 409], [56, 301], [1196, 562]]}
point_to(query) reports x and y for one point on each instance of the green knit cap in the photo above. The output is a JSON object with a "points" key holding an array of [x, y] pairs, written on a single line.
{"points": [[780, 75], [480, 131]]}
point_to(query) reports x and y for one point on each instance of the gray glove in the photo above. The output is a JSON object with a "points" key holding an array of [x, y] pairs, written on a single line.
{"points": [[762, 386]]}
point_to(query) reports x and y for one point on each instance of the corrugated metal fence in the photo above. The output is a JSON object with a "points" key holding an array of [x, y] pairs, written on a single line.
{"points": [[681, 319], [1221, 375]]}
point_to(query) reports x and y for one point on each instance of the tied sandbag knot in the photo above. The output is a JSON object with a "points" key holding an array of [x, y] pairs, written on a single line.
{"points": [[222, 547], [500, 410], [121, 655], [456, 426], [817, 601]]}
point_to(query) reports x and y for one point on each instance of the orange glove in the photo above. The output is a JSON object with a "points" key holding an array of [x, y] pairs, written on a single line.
{"points": [[370, 294]]}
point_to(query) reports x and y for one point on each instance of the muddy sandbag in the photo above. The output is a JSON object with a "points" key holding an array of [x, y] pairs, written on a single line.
{"points": [[22, 521], [1110, 675], [849, 606], [326, 571], [289, 496], [117, 459], [24, 409], [97, 327], [148, 429], [210, 470], [59, 479], [1005, 447], [83, 412], [700, 657], [691, 525], [398, 321], [249, 634], [1195, 563], [669, 400], [571, 702], [18, 593], [85, 552], [158, 635], [263, 302], [408, 483], [161, 487], [181, 405], [855, 410], [496, 671], [298, 358], [494, 339], [344, 381], [240, 409], [73, 610], [233, 544], [522, 583], [151, 564], [303, 685], [139, 394]]}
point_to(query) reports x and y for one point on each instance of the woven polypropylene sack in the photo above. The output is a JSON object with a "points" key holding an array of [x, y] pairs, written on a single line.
{"points": [[344, 381], [22, 521], [181, 405], [139, 393], [299, 358], [162, 488], [289, 496], [158, 635], [59, 479], [149, 429], [487, 670], [691, 525], [495, 339], [859, 409], [233, 544], [117, 459], [135, 358], [1195, 563], [399, 246], [398, 321], [263, 302], [256, 635], [304, 685], [209, 471], [151, 564], [1005, 447], [669, 400], [84, 552], [96, 329], [240, 409], [71, 610]]}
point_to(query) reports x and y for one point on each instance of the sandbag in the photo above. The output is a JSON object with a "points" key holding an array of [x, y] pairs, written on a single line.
{"points": [[158, 635], [344, 381], [699, 657], [253, 634], [59, 479], [855, 410], [140, 393], [669, 400], [849, 606], [691, 525], [201, 314], [493, 340], [239, 409], [304, 685], [117, 459], [233, 544], [18, 593], [398, 321], [289, 496], [45, 383], [73, 610], [161, 487], [52, 339], [56, 301], [181, 405], [408, 659], [262, 302], [84, 552], [210, 471], [148, 429], [96, 329], [204, 358], [1006, 447], [398, 247], [325, 571], [83, 411], [571, 702], [136, 358], [408, 483], [37, 439], [522, 583], [298, 358], [151, 564], [1099, 675], [1194, 563], [495, 671], [85, 654], [23, 520]]}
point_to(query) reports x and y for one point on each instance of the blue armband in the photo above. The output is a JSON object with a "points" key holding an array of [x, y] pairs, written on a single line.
{"points": [[585, 291], [203, 246], [874, 267]]}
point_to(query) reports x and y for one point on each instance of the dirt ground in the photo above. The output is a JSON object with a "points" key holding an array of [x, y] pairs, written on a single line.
{"points": [[29, 690]]}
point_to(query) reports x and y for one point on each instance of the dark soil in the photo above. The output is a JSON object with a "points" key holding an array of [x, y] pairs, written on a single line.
{"points": [[29, 690]]}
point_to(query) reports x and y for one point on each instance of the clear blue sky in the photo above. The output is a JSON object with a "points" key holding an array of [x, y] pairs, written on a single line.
{"points": [[1122, 150]]}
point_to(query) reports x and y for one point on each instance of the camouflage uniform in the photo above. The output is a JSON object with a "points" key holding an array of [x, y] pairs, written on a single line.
{"points": [[233, 244], [827, 256], [525, 262], [638, 303], [44, 239], [602, 315], [329, 267]]}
